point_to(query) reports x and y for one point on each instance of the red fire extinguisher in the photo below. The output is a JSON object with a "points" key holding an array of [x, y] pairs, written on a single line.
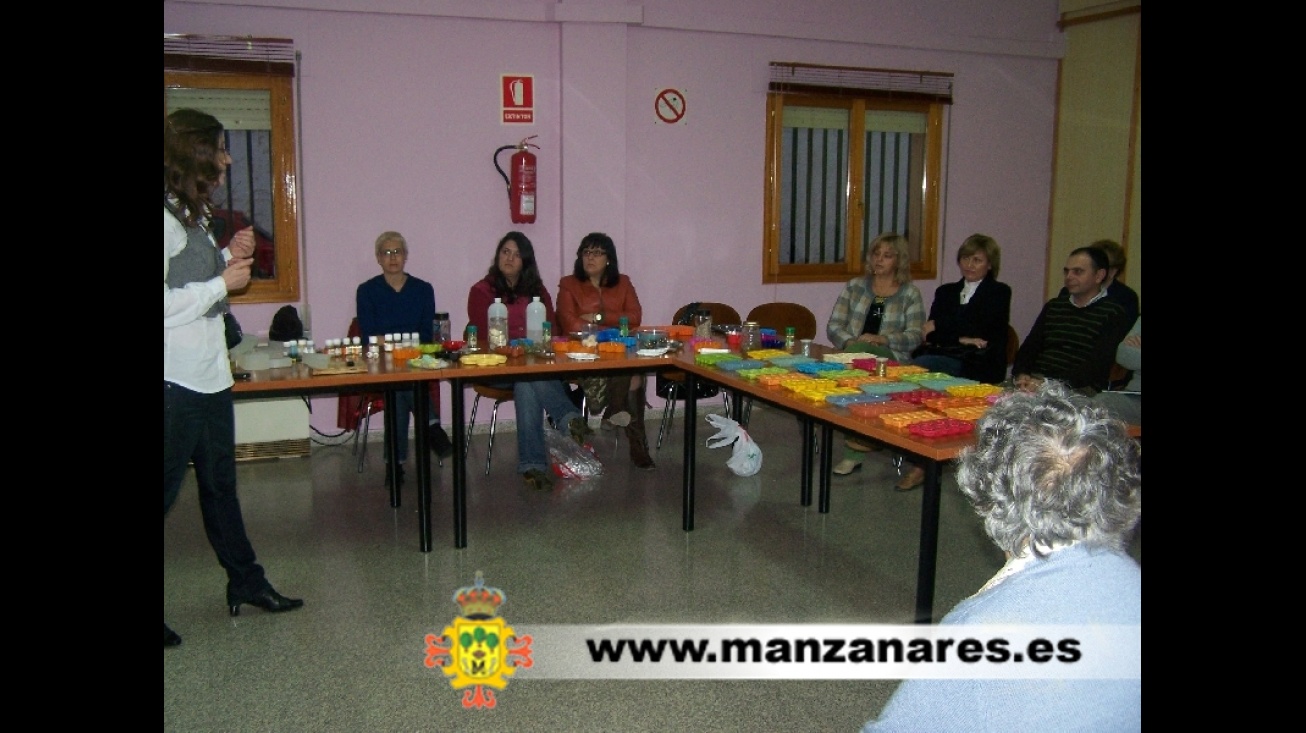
{"points": [[521, 189]]}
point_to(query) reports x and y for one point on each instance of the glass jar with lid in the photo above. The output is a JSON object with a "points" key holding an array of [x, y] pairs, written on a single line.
{"points": [[703, 323], [752, 339]]}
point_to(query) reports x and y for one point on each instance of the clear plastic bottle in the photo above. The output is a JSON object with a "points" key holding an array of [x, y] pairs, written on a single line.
{"points": [[497, 324], [535, 315]]}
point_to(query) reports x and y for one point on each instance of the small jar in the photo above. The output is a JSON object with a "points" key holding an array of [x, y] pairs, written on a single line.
{"points": [[752, 340], [789, 339], [703, 323]]}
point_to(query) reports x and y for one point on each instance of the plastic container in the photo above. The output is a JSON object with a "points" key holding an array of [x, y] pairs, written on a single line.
{"points": [[652, 338], [582, 342], [497, 324], [535, 315]]}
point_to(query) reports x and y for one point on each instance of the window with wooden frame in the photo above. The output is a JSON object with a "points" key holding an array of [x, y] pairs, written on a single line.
{"points": [[247, 83], [851, 154]]}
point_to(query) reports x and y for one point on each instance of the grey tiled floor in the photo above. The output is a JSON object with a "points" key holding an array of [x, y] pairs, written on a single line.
{"points": [[608, 550]]}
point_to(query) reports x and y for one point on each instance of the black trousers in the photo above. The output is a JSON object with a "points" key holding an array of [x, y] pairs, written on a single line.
{"points": [[201, 428]]}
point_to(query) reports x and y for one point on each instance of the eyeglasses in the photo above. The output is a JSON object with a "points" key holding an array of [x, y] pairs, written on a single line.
{"points": [[593, 253], [397, 252]]}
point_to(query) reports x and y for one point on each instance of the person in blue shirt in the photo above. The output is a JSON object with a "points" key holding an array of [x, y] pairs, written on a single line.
{"points": [[1058, 483], [397, 302]]}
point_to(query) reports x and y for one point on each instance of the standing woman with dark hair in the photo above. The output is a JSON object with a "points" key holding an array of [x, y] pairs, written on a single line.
{"points": [[199, 422], [597, 295], [514, 277]]}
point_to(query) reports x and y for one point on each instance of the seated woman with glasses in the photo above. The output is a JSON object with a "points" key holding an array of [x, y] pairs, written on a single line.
{"points": [[596, 295], [880, 312], [514, 277]]}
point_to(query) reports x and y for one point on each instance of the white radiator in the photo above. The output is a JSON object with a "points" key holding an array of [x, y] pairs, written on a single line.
{"points": [[271, 428]]}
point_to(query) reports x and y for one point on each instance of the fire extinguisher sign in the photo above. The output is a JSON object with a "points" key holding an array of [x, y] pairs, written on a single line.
{"points": [[517, 99]]}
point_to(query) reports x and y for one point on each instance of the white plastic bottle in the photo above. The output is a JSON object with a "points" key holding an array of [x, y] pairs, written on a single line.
{"points": [[535, 321], [497, 324]]}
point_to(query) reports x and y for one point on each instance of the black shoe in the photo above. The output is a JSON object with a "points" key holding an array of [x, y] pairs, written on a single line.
{"points": [[267, 599], [439, 441], [580, 430], [170, 637], [537, 479]]}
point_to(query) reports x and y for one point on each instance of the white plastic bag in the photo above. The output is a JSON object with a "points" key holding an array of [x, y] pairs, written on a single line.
{"points": [[746, 459], [569, 460]]}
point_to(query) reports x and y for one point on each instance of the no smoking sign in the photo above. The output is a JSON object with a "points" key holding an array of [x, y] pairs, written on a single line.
{"points": [[669, 107]]}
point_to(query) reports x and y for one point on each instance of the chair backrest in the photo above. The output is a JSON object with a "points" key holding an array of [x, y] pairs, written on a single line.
{"points": [[780, 315], [721, 313], [1013, 344]]}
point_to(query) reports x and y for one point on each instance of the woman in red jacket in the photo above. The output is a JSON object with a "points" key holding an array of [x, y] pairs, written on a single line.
{"points": [[596, 296]]}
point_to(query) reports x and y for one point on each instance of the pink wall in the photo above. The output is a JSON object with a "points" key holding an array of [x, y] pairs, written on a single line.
{"points": [[400, 121]]}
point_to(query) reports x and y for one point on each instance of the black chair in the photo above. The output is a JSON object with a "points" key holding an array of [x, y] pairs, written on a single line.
{"points": [[669, 385]]}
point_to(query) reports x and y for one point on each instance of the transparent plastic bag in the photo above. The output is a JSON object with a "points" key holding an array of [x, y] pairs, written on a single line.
{"points": [[746, 457], [569, 460]]}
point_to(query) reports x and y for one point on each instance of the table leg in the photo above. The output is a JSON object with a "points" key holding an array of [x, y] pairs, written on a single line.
{"points": [[391, 422], [422, 414], [691, 444], [459, 467], [805, 482], [929, 546], [827, 459]]}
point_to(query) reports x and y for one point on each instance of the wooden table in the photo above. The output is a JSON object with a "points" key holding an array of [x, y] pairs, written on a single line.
{"points": [[383, 374], [933, 451]]}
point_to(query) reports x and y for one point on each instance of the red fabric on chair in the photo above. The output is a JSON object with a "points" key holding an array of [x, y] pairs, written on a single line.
{"points": [[350, 405]]}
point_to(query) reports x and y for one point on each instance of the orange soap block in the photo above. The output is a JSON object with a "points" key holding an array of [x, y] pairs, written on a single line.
{"points": [[875, 409], [680, 333]]}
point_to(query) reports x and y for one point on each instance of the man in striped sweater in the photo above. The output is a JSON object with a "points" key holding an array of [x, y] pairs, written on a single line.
{"points": [[1075, 336]]}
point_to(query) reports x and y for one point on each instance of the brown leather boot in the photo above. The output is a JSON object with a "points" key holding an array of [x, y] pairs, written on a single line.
{"points": [[635, 432], [617, 411]]}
